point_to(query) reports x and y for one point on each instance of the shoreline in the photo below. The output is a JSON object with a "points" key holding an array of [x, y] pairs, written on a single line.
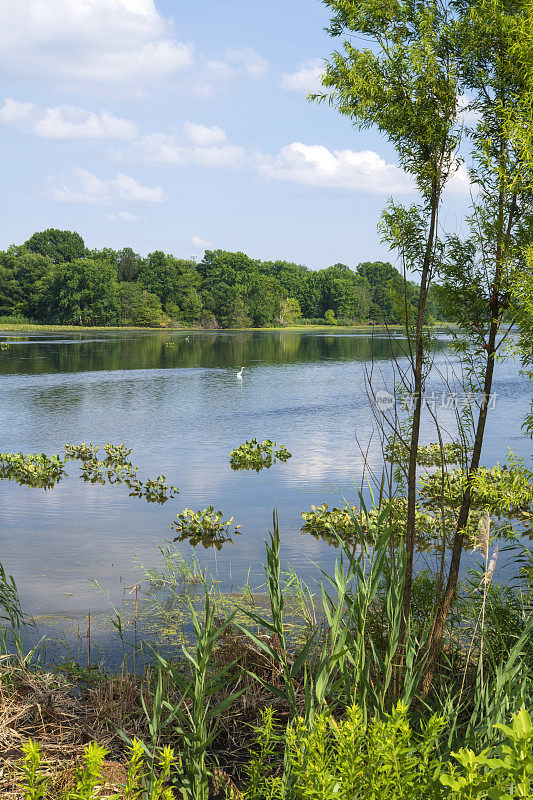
{"points": [[35, 328]]}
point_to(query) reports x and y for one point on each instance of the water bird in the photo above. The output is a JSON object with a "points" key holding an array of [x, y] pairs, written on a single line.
{"points": [[186, 338], [239, 374]]}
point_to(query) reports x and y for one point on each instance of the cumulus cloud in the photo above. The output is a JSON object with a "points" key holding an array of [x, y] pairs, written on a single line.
{"points": [[200, 145], [197, 241], [122, 216], [84, 187], [466, 115], [65, 122], [101, 41], [316, 165], [244, 61], [459, 180], [306, 78], [203, 135]]}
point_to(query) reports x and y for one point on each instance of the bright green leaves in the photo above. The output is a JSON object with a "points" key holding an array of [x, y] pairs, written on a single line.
{"points": [[404, 83], [37, 784], [257, 456], [430, 455], [206, 527], [44, 472], [33, 469], [497, 773], [116, 467]]}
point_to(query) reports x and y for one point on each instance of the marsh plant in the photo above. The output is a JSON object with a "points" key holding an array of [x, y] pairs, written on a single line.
{"points": [[40, 471], [207, 527], [256, 455]]}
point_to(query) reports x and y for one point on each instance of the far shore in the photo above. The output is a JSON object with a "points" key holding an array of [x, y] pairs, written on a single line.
{"points": [[31, 328]]}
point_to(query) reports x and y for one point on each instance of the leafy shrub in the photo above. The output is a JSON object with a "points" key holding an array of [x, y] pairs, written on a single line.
{"points": [[498, 773], [15, 319], [349, 760]]}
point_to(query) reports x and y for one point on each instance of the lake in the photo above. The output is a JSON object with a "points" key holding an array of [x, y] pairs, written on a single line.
{"points": [[174, 398]]}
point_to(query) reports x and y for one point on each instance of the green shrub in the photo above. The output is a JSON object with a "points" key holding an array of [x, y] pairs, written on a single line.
{"points": [[15, 319], [498, 773], [385, 760], [347, 760], [35, 784]]}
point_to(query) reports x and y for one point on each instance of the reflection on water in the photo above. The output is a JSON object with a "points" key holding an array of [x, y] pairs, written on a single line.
{"points": [[179, 405]]}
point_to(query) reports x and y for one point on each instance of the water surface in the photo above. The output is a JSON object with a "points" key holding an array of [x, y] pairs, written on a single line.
{"points": [[175, 399]]}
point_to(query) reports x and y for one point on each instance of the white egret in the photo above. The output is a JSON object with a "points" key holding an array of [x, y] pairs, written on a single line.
{"points": [[239, 374]]}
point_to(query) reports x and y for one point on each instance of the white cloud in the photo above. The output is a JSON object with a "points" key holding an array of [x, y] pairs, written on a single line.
{"points": [[203, 135], [65, 122], [206, 147], [316, 165], [15, 113], [306, 78], [93, 41], [459, 181], [84, 187], [244, 61], [466, 115], [122, 216], [197, 241]]}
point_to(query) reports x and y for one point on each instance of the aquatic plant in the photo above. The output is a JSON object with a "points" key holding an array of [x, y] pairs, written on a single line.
{"points": [[33, 469], [44, 472], [206, 527], [257, 456]]}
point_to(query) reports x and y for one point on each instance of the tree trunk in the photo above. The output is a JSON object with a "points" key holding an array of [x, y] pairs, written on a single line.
{"points": [[418, 367]]}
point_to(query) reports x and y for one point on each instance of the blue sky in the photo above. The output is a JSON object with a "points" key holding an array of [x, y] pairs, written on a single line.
{"points": [[178, 126]]}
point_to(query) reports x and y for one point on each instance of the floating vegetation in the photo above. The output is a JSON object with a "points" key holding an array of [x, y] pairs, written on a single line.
{"points": [[206, 527], [257, 456], [44, 472], [348, 524], [430, 455], [117, 467], [9, 340], [33, 469]]}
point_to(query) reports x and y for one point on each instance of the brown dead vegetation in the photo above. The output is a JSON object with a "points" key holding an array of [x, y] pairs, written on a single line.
{"points": [[63, 714]]}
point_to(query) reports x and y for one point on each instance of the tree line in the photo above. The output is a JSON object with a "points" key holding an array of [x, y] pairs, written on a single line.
{"points": [[54, 278]]}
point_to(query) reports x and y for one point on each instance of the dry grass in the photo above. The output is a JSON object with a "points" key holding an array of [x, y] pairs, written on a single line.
{"points": [[64, 714]]}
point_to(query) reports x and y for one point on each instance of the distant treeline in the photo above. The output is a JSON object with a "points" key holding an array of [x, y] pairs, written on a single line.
{"points": [[54, 278]]}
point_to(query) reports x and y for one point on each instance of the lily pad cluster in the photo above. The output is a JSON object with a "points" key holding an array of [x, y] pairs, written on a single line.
{"points": [[206, 527], [505, 493], [349, 523], [256, 455]]}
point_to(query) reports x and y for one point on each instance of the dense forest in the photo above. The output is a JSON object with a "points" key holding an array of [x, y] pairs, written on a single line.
{"points": [[54, 278]]}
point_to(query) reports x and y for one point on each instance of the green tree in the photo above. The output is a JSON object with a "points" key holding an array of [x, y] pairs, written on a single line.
{"points": [[129, 264], [139, 307], [21, 273], [290, 311], [81, 292], [403, 82], [59, 246], [493, 42], [158, 275]]}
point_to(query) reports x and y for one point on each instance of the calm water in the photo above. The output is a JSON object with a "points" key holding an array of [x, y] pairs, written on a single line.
{"points": [[182, 409]]}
